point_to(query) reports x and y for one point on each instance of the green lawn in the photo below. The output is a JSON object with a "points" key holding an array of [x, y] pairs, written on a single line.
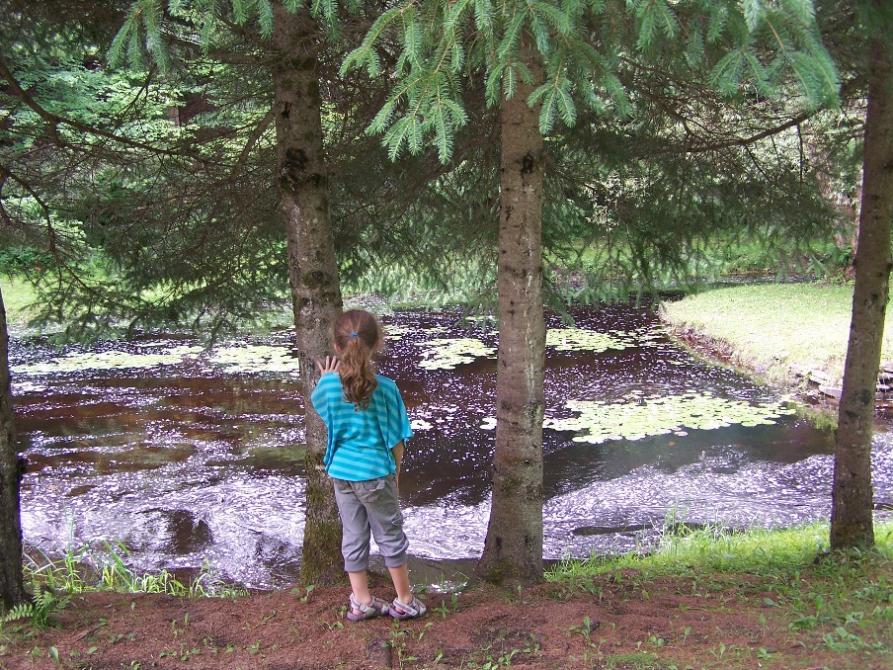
{"points": [[18, 296], [777, 328], [821, 610]]}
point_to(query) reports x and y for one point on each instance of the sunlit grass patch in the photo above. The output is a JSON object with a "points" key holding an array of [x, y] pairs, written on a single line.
{"points": [[777, 327], [766, 552], [19, 298]]}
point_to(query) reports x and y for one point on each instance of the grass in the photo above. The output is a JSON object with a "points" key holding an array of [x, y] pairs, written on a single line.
{"points": [[833, 603], [18, 298], [762, 552], [777, 329], [84, 570]]}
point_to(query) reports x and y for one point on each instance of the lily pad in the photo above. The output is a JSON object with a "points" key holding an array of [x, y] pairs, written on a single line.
{"points": [[255, 358], [395, 332], [598, 422], [106, 360], [446, 353], [579, 339]]}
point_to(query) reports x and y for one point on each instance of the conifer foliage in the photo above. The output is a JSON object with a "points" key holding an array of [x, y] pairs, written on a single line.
{"points": [[765, 45], [297, 36], [558, 56]]}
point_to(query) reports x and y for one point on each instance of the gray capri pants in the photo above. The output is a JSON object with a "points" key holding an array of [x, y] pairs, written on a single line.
{"points": [[372, 504]]}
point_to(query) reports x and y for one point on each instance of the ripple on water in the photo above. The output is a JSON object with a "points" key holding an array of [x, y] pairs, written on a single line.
{"points": [[196, 463]]}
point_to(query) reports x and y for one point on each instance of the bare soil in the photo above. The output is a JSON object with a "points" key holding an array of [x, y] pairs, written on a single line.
{"points": [[714, 622]]}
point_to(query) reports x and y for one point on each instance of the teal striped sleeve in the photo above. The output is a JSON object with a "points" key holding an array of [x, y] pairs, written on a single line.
{"points": [[394, 422]]}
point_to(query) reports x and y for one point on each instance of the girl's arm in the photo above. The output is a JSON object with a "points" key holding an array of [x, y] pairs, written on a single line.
{"points": [[397, 450]]}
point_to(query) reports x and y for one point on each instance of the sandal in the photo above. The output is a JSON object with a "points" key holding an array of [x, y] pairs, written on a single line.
{"points": [[358, 611], [413, 610]]}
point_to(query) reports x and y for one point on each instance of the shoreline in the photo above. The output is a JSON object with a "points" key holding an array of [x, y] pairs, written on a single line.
{"points": [[818, 408], [792, 337], [737, 601]]}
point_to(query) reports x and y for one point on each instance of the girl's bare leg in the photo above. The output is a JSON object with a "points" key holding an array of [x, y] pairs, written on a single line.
{"points": [[359, 583], [400, 577]]}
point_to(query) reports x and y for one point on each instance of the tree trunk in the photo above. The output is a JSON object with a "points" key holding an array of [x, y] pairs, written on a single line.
{"points": [[313, 270], [851, 511], [513, 550], [12, 591]]}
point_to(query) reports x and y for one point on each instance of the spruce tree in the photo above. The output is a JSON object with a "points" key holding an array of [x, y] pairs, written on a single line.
{"points": [[12, 591], [852, 509], [539, 61], [299, 35]]}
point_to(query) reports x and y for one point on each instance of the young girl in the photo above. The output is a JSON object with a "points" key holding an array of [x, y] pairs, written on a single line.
{"points": [[367, 427]]}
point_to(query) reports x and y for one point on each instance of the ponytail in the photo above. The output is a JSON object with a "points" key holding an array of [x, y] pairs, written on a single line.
{"points": [[356, 336]]}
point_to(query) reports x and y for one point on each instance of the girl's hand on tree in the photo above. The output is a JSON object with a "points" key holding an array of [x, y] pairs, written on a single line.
{"points": [[331, 364]]}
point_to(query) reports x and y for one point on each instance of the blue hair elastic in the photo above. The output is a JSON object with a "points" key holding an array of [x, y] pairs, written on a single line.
{"points": [[353, 333]]}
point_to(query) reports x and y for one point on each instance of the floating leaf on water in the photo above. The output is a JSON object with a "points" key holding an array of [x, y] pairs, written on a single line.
{"points": [[579, 339], [106, 360], [447, 353], [395, 332], [489, 423], [597, 422], [420, 424], [254, 358]]}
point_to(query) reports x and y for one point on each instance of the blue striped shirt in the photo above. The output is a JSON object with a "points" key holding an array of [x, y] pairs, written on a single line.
{"points": [[360, 440]]}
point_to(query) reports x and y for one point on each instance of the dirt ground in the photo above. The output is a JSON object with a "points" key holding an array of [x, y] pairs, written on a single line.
{"points": [[610, 622]]}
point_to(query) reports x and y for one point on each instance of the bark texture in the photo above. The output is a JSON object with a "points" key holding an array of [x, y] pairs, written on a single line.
{"points": [[513, 550], [12, 591], [313, 269], [851, 512]]}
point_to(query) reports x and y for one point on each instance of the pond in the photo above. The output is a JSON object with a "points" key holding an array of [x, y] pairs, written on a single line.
{"points": [[191, 457]]}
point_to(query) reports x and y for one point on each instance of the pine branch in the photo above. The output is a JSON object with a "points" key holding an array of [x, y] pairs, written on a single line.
{"points": [[741, 141], [54, 121], [255, 136]]}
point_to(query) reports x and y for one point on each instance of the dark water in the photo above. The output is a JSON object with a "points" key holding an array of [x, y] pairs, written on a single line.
{"points": [[190, 465]]}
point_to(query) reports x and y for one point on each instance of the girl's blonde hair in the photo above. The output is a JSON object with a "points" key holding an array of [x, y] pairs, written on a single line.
{"points": [[356, 335]]}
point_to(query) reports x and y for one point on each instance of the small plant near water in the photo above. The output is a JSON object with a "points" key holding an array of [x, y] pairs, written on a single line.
{"points": [[304, 592], [585, 629], [444, 609], [43, 605], [397, 643], [494, 659], [82, 570]]}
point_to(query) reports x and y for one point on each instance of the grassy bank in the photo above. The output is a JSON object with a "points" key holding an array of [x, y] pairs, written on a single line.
{"points": [[829, 611], [18, 297], [777, 329], [759, 599]]}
